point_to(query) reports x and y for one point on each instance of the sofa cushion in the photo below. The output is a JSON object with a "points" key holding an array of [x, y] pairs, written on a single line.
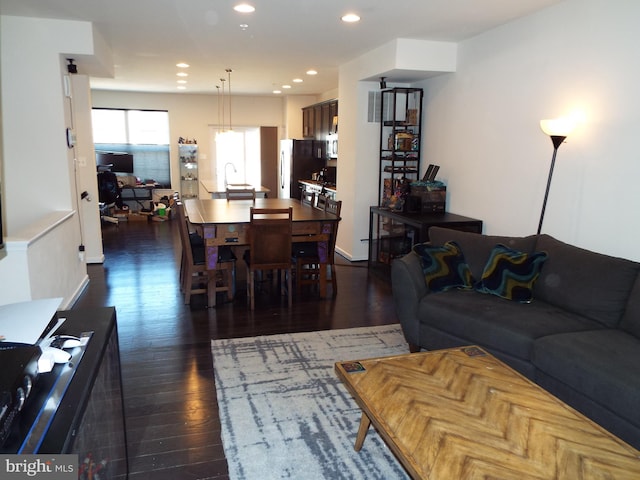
{"points": [[601, 364], [511, 274], [509, 327], [444, 266], [631, 319], [588, 283], [477, 247]]}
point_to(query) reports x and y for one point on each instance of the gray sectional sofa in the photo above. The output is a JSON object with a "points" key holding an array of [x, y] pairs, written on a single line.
{"points": [[579, 337]]}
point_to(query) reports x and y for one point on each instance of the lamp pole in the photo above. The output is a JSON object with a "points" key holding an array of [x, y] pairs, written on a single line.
{"points": [[557, 129], [557, 141]]}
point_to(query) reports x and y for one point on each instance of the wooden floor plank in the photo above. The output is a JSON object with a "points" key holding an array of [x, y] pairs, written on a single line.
{"points": [[173, 425]]}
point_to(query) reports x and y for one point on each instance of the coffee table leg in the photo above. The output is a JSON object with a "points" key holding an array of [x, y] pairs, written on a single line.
{"points": [[362, 431]]}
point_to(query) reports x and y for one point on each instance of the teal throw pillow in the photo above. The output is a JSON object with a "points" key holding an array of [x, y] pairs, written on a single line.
{"points": [[444, 267], [511, 274]]}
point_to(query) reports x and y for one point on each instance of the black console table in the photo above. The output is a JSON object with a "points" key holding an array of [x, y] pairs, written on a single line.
{"points": [[392, 233], [87, 416]]}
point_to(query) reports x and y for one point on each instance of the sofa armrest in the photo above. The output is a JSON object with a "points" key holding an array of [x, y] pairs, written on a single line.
{"points": [[408, 287]]}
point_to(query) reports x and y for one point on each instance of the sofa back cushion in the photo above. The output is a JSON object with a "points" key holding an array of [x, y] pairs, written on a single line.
{"points": [[631, 318], [476, 247], [585, 282]]}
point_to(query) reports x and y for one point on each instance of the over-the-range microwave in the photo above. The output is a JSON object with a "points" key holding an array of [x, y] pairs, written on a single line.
{"points": [[332, 146]]}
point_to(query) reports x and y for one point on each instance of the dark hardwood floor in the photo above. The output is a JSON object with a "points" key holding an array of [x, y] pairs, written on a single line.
{"points": [[173, 426]]}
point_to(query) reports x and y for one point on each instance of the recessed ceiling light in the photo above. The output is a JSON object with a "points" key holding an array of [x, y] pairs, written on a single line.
{"points": [[182, 74], [182, 81], [350, 18], [181, 87], [297, 80], [312, 72], [277, 91], [244, 8], [182, 65], [286, 86], [244, 26]]}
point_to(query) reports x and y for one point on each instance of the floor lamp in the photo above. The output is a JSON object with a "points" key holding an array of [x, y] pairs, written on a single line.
{"points": [[557, 129]]}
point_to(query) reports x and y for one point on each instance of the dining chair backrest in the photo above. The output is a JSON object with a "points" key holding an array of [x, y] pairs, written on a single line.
{"points": [[241, 193], [321, 201], [184, 235], [307, 197], [270, 232], [193, 271], [334, 207]]}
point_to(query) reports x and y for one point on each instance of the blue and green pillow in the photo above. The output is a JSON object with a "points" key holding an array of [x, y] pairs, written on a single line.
{"points": [[444, 267], [511, 274]]}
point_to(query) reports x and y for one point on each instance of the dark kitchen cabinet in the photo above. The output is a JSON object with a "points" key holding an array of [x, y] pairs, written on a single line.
{"points": [[318, 120], [308, 122]]}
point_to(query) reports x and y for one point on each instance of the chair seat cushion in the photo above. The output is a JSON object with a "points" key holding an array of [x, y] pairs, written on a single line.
{"points": [[198, 254], [225, 254], [195, 239], [304, 249]]}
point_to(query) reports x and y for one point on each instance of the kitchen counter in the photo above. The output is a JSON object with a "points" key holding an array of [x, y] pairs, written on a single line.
{"points": [[318, 186], [212, 189]]}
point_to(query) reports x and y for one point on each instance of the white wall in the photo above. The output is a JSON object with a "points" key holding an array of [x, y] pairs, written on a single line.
{"points": [[35, 67], [39, 189], [85, 172], [482, 125], [293, 114], [359, 157]]}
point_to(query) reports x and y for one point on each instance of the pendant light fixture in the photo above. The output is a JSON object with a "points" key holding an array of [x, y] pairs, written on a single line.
{"points": [[228, 70], [221, 102], [219, 107]]}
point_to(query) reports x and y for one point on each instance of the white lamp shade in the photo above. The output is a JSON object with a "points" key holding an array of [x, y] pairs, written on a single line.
{"points": [[560, 127]]}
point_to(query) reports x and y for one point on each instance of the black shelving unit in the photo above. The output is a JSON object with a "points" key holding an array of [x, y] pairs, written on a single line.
{"points": [[400, 146]]}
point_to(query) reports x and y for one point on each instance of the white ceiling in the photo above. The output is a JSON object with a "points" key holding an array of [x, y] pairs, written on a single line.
{"points": [[284, 38]]}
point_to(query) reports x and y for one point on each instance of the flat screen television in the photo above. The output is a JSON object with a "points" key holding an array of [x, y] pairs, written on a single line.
{"points": [[118, 162]]}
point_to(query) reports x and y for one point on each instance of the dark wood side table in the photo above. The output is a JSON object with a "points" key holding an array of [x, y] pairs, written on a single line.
{"points": [[392, 234]]}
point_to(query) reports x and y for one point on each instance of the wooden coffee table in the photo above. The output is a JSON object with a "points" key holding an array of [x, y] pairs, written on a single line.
{"points": [[462, 414]]}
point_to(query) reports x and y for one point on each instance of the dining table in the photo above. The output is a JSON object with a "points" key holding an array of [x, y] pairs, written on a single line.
{"points": [[227, 223]]}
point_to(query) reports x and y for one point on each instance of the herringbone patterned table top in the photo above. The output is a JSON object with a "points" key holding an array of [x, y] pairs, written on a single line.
{"points": [[462, 414]]}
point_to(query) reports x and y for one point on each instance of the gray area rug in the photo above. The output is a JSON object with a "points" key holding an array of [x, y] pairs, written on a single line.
{"points": [[285, 414]]}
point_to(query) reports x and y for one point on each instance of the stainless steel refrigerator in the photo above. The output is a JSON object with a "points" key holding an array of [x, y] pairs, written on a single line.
{"points": [[298, 160]]}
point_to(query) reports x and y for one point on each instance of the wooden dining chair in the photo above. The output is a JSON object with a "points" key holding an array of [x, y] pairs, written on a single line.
{"points": [[333, 206], [307, 256], [195, 276], [241, 194], [269, 233], [321, 201], [308, 198]]}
